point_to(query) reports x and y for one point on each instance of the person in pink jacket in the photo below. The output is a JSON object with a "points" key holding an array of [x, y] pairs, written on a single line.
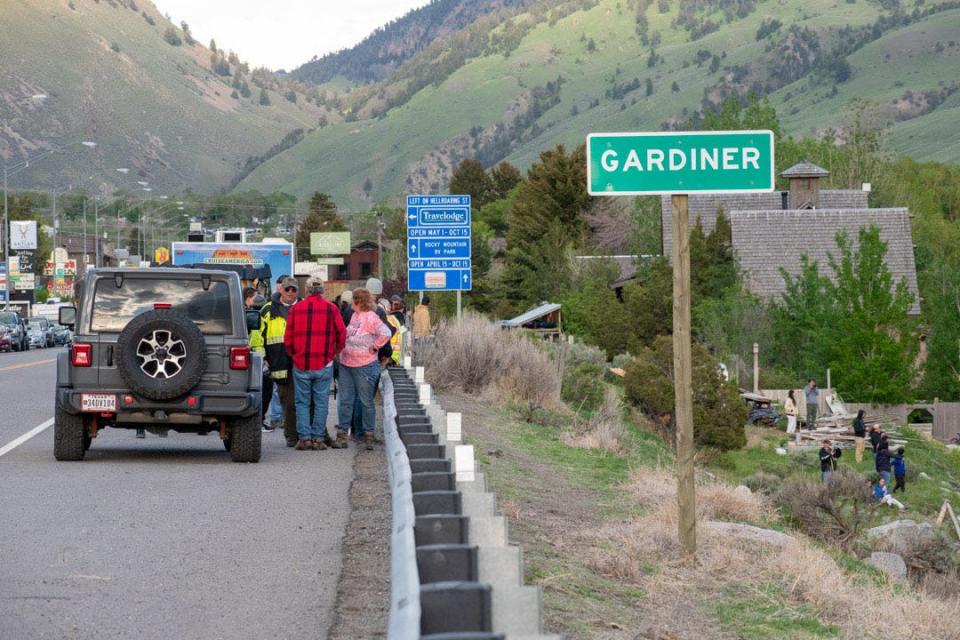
{"points": [[359, 366]]}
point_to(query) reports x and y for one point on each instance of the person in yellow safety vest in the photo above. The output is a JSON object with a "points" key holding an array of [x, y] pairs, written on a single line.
{"points": [[273, 326]]}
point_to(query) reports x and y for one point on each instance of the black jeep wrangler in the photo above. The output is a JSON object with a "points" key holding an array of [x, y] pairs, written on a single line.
{"points": [[158, 349]]}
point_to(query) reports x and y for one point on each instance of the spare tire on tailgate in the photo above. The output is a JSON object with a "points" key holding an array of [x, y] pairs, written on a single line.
{"points": [[161, 354]]}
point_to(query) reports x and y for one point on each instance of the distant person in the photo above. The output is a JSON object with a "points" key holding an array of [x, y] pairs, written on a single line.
{"points": [[360, 368], [813, 400], [828, 461], [397, 320], [273, 326], [882, 495], [314, 336], [249, 295], [859, 434], [375, 287], [899, 465], [274, 405], [346, 306], [875, 437], [883, 462], [398, 309], [421, 318], [790, 408], [255, 303]]}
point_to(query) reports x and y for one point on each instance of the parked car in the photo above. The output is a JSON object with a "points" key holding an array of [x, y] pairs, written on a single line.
{"points": [[15, 330], [159, 349], [61, 335], [46, 329]]}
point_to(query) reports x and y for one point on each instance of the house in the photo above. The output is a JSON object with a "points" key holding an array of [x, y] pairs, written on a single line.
{"points": [[359, 265], [770, 231]]}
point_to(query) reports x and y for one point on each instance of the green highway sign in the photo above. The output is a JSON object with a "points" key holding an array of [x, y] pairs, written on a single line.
{"points": [[636, 164], [330, 243]]}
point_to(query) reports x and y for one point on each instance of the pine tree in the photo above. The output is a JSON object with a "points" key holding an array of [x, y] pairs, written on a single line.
{"points": [[213, 45], [264, 98], [245, 89], [505, 177], [469, 178], [322, 217]]}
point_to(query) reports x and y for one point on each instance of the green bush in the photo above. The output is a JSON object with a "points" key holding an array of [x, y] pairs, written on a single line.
{"points": [[583, 386], [763, 482], [718, 412], [581, 353]]}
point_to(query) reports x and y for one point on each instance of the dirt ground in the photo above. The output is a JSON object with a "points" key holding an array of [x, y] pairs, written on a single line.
{"points": [[555, 519], [363, 594]]}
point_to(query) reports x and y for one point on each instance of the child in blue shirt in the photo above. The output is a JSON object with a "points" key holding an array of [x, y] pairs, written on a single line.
{"points": [[899, 471]]}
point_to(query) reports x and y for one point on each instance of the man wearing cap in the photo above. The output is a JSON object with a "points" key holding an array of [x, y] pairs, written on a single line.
{"points": [[273, 403], [273, 326], [314, 336]]}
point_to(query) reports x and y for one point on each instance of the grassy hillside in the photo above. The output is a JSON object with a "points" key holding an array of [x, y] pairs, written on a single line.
{"points": [[109, 75], [506, 101]]}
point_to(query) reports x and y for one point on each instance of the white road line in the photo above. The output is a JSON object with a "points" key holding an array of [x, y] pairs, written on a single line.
{"points": [[29, 434]]}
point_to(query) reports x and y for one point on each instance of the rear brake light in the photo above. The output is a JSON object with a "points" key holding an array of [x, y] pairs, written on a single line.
{"points": [[163, 305], [239, 357], [81, 355]]}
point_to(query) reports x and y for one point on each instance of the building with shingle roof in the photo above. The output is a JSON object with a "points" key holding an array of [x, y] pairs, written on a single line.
{"points": [[772, 230], [767, 241]]}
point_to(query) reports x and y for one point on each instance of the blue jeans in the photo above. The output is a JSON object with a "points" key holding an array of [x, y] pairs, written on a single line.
{"points": [[276, 409], [312, 387], [886, 478], [358, 384]]}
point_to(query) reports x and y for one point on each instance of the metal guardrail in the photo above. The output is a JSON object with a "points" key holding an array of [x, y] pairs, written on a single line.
{"points": [[404, 575]]}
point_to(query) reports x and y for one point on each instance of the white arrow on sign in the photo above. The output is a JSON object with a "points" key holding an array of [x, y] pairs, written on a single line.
{"points": [[413, 247], [466, 278]]}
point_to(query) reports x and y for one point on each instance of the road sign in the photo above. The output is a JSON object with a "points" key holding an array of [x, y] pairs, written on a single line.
{"points": [[633, 164], [439, 246], [330, 243]]}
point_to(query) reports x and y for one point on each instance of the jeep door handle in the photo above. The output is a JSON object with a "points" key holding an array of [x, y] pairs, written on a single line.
{"points": [[110, 356]]}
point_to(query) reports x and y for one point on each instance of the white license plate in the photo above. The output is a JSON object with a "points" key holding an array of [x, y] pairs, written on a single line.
{"points": [[98, 402]]}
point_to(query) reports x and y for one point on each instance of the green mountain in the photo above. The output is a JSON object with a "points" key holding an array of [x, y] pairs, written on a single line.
{"points": [[564, 68], [380, 53], [119, 73]]}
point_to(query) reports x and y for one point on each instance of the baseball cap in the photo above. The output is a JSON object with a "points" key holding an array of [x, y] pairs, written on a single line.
{"points": [[347, 296], [313, 282], [281, 278], [289, 282]]}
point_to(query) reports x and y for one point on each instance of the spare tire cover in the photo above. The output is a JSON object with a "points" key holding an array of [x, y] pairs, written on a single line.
{"points": [[161, 354]]}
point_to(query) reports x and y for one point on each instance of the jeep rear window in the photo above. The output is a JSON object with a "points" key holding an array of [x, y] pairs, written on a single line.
{"points": [[114, 307], [8, 318]]}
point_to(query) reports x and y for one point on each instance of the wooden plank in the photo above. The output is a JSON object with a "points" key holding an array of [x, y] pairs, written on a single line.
{"points": [[682, 378]]}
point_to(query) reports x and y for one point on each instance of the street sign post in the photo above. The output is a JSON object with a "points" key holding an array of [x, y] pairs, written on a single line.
{"points": [[679, 163], [635, 164]]}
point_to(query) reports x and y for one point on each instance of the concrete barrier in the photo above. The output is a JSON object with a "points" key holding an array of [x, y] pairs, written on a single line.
{"points": [[470, 578]]}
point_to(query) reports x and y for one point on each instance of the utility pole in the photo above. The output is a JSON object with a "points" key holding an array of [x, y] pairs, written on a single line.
{"points": [[380, 246], [96, 233], [682, 377], [85, 257], [6, 241]]}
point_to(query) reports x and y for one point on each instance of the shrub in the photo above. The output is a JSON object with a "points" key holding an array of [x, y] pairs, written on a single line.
{"points": [[763, 482], [621, 360], [581, 353], [477, 354], [172, 37], [582, 386], [604, 430], [835, 513], [718, 412]]}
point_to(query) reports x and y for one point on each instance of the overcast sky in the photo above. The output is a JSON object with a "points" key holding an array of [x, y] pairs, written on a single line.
{"points": [[286, 33]]}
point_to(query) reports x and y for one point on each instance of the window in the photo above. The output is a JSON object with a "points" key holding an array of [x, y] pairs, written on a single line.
{"points": [[114, 307], [805, 183], [343, 272], [366, 269]]}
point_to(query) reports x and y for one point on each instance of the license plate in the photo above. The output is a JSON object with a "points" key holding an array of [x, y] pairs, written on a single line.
{"points": [[98, 402]]}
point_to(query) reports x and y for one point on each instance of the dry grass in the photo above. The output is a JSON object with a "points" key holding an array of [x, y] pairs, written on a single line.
{"points": [[807, 574], [603, 430], [477, 354]]}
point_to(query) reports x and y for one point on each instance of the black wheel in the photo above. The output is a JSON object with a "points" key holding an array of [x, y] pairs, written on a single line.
{"points": [[69, 435], [244, 440], [161, 354]]}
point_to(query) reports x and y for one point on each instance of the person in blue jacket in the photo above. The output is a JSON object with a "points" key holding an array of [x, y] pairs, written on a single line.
{"points": [[899, 471], [883, 466], [881, 495]]}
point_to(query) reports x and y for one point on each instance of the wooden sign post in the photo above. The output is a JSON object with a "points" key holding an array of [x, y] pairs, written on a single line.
{"points": [[677, 163], [683, 377]]}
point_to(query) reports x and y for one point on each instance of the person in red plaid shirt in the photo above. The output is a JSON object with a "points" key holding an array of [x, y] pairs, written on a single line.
{"points": [[315, 335]]}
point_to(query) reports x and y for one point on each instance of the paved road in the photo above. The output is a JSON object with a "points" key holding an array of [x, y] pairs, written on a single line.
{"points": [[161, 538]]}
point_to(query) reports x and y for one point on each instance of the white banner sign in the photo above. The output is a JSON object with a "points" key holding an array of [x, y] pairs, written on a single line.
{"points": [[23, 234]]}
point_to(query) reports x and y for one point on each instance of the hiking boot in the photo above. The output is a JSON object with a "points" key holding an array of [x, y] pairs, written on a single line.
{"points": [[319, 445], [303, 445], [291, 443], [342, 442], [368, 441]]}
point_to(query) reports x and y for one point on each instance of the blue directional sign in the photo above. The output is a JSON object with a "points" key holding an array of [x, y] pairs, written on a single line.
{"points": [[439, 246]]}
